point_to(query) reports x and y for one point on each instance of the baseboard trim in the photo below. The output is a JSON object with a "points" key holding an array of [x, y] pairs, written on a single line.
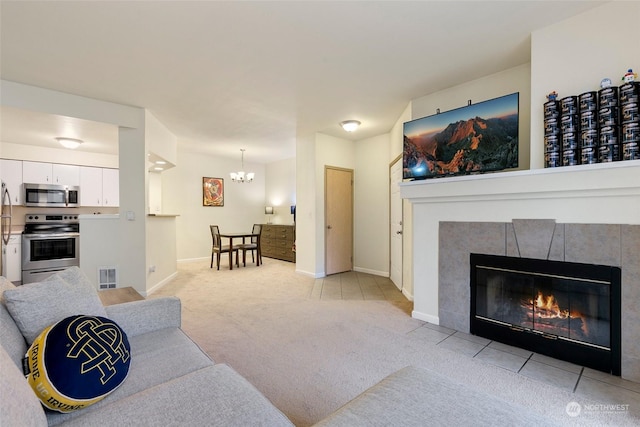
{"points": [[310, 274], [369, 271], [425, 317], [193, 259], [159, 285], [407, 295]]}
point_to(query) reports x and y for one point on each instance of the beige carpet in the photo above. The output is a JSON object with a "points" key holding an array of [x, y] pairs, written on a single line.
{"points": [[311, 356]]}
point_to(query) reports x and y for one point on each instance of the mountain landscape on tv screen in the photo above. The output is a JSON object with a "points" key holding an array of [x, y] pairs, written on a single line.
{"points": [[466, 146]]}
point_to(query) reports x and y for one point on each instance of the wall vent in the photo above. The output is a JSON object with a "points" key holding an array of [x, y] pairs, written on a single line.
{"points": [[107, 278]]}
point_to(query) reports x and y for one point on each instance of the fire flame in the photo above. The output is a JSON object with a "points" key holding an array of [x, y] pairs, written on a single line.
{"points": [[547, 307]]}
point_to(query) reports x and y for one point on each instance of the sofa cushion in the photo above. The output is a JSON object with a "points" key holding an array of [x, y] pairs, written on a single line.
{"points": [[140, 317], [77, 362], [35, 306], [19, 406], [212, 396], [416, 397], [11, 338], [156, 357]]}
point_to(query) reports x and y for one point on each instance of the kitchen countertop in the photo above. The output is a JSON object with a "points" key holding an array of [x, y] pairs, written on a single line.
{"points": [[98, 216]]}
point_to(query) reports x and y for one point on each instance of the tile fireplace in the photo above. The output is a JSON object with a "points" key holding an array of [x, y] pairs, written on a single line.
{"points": [[614, 245], [570, 311]]}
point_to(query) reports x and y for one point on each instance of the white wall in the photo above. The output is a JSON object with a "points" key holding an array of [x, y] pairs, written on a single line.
{"points": [[155, 193], [280, 191], [371, 206], [161, 261], [106, 230], [160, 140], [306, 206], [161, 251], [182, 195], [17, 151]]}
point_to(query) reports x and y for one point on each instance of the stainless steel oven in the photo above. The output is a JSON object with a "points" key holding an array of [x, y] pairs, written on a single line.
{"points": [[50, 243]]}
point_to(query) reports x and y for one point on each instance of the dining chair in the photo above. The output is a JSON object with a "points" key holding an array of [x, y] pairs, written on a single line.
{"points": [[252, 246], [218, 248]]}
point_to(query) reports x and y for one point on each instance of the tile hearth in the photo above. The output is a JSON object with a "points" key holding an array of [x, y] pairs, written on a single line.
{"points": [[573, 378]]}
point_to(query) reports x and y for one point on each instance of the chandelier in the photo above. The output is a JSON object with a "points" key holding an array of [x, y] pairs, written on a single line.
{"points": [[241, 176]]}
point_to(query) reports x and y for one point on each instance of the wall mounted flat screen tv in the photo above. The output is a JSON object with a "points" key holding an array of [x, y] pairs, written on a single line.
{"points": [[477, 138]]}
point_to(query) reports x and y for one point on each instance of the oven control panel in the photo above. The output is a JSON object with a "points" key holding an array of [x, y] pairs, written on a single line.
{"points": [[51, 218]]}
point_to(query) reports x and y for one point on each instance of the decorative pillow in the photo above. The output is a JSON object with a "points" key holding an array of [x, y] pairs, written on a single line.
{"points": [[77, 362], [35, 306]]}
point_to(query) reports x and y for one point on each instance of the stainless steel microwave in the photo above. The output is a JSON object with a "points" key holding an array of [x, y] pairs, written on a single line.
{"points": [[52, 196]]}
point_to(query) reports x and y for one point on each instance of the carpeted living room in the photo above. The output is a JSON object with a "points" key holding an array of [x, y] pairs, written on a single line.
{"points": [[184, 93], [310, 355]]}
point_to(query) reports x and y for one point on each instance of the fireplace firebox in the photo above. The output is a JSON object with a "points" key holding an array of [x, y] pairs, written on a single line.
{"points": [[565, 310]]}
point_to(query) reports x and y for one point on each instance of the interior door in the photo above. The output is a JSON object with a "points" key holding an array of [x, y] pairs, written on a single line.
{"points": [[338, 192], [395, 223]]}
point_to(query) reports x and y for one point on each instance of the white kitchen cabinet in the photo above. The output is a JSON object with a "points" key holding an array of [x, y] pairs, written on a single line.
{"points": [[99, 186], [11, 174], [14, 258], [90, 186], [50, 173], [37, 173], [66, 174], [111, 187]]}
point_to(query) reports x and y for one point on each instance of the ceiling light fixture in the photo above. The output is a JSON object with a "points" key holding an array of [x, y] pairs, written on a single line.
{"points": [[241, 176], [69, 142], [350, 125]]}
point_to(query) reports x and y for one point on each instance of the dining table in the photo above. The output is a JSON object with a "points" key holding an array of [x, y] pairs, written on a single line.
{"points": [[243, 236]]}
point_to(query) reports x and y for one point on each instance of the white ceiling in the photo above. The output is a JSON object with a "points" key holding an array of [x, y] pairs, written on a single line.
{"points": [[225, 75]]}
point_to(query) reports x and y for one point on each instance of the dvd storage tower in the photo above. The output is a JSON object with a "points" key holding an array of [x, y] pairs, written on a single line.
{"points": [[588, 110], [552, 137], [608, 121], [569, 127], [630, 120]]}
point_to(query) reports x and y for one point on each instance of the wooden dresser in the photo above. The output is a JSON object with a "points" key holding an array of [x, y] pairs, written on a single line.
{"points": [[277, 241]]}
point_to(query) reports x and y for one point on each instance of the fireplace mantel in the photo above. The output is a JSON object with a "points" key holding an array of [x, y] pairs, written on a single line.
{"points": [[598, 180], [586, 194]]}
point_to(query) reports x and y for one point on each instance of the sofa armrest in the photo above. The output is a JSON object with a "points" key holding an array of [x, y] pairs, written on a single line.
{"points": [[139, 317]]}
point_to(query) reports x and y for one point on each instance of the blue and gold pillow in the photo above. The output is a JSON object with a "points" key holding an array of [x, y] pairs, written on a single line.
{"points": [[77, 362]]}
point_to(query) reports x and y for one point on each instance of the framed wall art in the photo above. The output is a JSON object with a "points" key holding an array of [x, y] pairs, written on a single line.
{"points": [[212, 191]]}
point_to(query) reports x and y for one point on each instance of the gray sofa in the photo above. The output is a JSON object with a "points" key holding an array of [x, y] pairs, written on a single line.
{"points": [[172, 382]]}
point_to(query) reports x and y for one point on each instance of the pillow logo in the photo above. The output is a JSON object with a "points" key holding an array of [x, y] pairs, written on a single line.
{"points": [[101, 344], [77, 362]]}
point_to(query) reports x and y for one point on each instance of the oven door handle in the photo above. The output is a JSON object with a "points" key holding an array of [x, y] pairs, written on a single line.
{"points": [[50, 235]]}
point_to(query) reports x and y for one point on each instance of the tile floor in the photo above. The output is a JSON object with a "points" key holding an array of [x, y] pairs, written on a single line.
{"points": [[355, 286], [577, 379]]}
